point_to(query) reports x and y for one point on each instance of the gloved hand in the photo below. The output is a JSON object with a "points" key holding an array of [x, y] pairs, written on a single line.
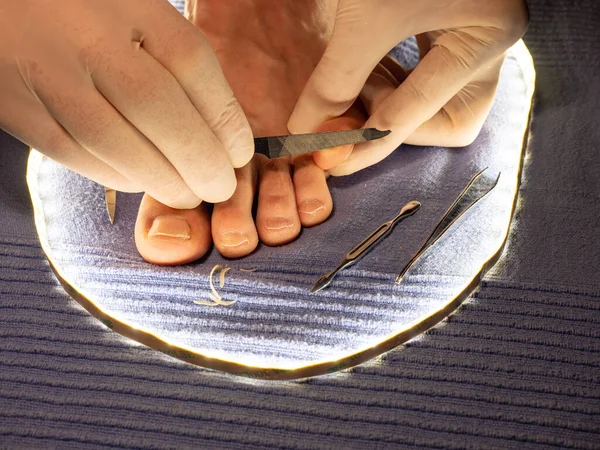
{"points": [[447, 97], [127, 93]]}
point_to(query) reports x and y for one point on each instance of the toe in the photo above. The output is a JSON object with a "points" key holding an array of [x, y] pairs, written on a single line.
{"points": [[233, 230], [331, 157], [312, 193], [277, 218], [168, 236]]}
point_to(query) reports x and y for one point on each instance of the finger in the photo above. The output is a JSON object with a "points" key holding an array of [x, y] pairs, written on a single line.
{"points": [[424, 44], [184, 51], [393, 68], [352, 53], [54, 142], [277, 220], [444, 71], [376, 90], [312, 193], [152, 100], [233, 230], [382, 82], [50, 138], [100, 129], [459, 122], [168, 236]]}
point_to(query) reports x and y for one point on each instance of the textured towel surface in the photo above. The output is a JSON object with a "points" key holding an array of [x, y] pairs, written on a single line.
{"points": [[276, 322], [519, 365]]}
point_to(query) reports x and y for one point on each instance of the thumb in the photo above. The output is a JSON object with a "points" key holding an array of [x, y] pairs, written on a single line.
{"points": [[352, 53]]}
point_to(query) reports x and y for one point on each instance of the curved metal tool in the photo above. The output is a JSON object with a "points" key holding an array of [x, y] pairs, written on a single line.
{"points": [[367, 244], [476, 189]]}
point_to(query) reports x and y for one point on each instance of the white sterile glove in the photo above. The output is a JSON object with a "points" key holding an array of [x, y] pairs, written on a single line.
{"points": [[447, 97], [127, 93]]}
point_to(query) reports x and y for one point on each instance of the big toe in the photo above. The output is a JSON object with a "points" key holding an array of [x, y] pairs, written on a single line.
{"points": [[168, 236]]}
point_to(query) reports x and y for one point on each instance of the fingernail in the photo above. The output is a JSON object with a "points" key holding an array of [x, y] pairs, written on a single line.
{"points": [[278, 223], [233, 239], [170, 227], [311, 206]]}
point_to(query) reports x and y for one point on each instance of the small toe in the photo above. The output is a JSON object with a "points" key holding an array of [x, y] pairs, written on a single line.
{"points": [[233, 230], [331, 157], [277, 218], [312, 193]]}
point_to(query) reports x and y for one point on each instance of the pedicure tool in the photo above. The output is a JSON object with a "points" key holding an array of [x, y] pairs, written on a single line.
{"points": [[367, 244], [478, 187], [110, 197], [295, 144], [287, 145]]}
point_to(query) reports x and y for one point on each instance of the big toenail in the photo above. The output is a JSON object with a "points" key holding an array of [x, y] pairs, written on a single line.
{"points": [[311, 207], [278, 223], [170, 227], [233, 239]]}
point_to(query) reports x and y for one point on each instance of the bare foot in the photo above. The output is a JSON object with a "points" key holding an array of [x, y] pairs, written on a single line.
{"points": [[267, 50]]}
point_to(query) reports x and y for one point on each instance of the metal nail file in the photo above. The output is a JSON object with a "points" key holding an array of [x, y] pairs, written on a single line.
{"points": [[367, 244], [477, 188], [295, 144]]}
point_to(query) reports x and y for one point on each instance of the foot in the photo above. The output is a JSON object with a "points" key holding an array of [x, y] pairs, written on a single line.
{"points": [[267, 51]]}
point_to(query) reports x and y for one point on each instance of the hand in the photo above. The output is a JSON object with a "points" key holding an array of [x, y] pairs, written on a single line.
{"points": [[127, 93], [267, 51], [447, 97]]}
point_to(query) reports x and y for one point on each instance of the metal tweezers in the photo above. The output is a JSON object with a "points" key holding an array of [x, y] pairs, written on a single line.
{"points": [[477, 188]]}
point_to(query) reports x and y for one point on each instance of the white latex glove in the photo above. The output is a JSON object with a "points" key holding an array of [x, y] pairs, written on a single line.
{"points": [[127, 93], [444, 101]]}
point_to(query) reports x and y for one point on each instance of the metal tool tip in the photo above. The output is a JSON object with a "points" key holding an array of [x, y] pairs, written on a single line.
{"points": [[413, 205], [402, 273], [373, 134], [321, 283]]}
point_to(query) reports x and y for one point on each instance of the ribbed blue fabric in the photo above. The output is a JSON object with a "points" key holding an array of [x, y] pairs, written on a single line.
{"points": [[517, 366]]}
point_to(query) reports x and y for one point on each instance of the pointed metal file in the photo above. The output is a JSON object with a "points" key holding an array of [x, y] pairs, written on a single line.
{"points": [[295, 144]]}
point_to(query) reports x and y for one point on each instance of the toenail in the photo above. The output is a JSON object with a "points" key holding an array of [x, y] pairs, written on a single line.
{"points": [[233, 239], [311, 207], [170, 227], [278, 223]]}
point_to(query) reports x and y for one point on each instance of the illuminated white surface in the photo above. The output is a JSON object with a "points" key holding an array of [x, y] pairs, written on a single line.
{"points": [[275, 323]]}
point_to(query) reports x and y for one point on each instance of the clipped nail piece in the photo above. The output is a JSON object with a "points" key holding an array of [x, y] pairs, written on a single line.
{"points": [[311, 207], [278, 223], [233, 238], [170, 227]]}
